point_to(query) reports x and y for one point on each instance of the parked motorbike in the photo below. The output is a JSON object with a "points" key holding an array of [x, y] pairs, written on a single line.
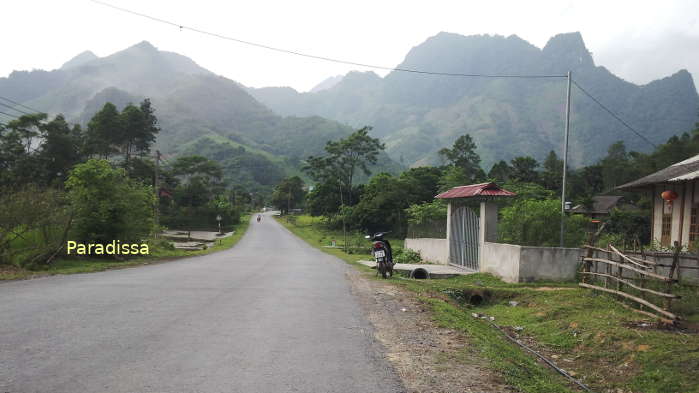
{"points": [[381, 250]]}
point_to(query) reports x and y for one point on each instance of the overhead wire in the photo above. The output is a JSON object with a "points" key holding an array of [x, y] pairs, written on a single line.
{"points": [[354, 63], [317, 57], [614, 115], [20, 104], [14, 108], [13, 117]]}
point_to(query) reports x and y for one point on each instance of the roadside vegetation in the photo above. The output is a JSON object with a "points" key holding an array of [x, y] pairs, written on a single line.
{"points": [[404, 204], [100, 184], [606, 346], [160, 251]]}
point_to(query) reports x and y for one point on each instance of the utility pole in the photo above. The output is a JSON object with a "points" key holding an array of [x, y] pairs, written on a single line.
{"points": [[157, 190], [565, 162]]}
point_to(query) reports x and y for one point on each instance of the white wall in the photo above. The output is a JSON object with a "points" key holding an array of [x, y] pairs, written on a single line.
{"points": [[432, 250], [515, 263]]}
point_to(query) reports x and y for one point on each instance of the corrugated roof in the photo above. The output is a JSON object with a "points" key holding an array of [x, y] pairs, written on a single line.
{"points": [[681, 171], [601, 204], [476, 190]]}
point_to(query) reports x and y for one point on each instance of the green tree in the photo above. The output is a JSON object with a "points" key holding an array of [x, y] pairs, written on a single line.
{"points": [[289, 194], [524, 169], [342, 160], [139, 129], [104, 131], [199, 180], [500, 172], [552, 174], [108, 205], [60, 149], [463, 155], [528, 222]]}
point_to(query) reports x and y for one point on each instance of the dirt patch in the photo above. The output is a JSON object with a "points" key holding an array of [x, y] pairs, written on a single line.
{"points": [[426, 357]]}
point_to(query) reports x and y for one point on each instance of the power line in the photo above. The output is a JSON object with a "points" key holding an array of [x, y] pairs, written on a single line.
{"points": [[13, 117], [14, 109], [22, 105], [324, 58], [614, 115]]}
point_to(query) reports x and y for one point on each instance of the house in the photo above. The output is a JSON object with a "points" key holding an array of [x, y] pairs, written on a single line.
{"points": [[602, 205], [674, 193]]}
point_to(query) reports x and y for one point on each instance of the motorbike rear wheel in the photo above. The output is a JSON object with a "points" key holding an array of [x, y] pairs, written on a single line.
{"points": [[383, 267]]}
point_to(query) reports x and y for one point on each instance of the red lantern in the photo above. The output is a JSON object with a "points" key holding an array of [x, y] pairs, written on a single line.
{"points": [[669, 196]]}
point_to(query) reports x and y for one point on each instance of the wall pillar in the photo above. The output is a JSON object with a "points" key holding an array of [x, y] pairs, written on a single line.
{"points": [[487, 227], [449, 207]]}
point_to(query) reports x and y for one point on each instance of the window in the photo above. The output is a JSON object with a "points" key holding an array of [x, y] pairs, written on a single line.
{"points": [[694, 224], [666, 229]]}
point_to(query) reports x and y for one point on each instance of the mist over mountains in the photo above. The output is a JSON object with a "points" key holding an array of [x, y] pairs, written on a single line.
{"points": [[415, 115]]}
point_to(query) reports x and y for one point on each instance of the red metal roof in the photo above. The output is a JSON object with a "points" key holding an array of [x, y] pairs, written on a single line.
{"points": [[476, 190]]}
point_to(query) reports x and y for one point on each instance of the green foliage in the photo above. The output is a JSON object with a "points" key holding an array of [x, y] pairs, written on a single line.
{"points": [[289, 194], [506, 118], [406, 255], [108, 205], [530, 222], [629, 225], [343, 159], [524, 169], [33, 225], [463, 155], [501, 172], [421, 213]]}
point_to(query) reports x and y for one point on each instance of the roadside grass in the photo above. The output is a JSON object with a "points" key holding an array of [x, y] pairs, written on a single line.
{"points": [[606, 346], [158, 253]]}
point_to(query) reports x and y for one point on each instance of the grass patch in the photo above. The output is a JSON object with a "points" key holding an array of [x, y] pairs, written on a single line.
{"points": [[158, 253], [609, 348]]}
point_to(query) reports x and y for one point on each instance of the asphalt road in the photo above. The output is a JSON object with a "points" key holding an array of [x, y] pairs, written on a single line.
{"points": [[270, 315]]}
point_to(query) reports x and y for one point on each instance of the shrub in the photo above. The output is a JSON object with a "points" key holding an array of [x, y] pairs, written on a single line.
{"points": [[108, 205], [530, 222], [406, 255]]}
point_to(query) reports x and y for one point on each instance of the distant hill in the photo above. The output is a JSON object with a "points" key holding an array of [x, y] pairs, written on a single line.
{"points": [[192, 104], [327, 83], [416, 114]]}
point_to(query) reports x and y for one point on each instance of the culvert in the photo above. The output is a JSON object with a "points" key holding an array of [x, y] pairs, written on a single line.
{"points": [[478, 297], [420, 274]]}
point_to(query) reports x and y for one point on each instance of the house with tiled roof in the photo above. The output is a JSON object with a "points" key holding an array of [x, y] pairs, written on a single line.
{"points": [[675, 195]]}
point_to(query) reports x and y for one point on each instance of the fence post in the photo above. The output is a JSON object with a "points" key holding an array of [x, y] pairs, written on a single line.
{"points": [[675, 263]]}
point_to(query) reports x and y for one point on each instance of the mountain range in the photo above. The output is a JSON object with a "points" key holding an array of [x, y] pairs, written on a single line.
{"points": [[418, 114], [414, 114], [198, 111]]}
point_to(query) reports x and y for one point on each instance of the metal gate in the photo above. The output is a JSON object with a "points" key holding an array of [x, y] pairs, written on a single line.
{"points": [[463, 247]]}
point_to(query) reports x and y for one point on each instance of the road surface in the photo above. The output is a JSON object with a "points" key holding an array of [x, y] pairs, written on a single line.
{"points": [[270, 315]]}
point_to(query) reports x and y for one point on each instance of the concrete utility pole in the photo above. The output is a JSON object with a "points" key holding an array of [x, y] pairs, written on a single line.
{"points": [[157, 189], [565, 162]]}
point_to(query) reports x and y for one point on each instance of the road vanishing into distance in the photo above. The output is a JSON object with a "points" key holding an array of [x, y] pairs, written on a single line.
{"points": [[272, 314]]}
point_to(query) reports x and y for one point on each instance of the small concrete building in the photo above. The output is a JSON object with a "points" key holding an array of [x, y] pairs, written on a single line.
{"points": [[675, 195]]}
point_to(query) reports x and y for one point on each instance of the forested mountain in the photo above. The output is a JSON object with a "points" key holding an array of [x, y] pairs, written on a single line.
{"points": [[192, 105], [416, 115]]}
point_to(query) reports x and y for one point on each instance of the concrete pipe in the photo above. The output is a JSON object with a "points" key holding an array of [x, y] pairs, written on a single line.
{"points": [[420, 274]]}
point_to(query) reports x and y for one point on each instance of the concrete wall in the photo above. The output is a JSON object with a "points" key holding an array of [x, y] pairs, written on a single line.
{"points": [[432, 250], [515, 263], [548, 263], [501, 260]]}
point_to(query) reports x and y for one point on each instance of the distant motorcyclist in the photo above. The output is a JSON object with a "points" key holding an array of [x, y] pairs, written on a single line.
{"points": [[259, 217]]}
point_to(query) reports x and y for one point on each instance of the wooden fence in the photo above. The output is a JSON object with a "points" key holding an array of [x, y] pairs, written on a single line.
{"points": [[632, 278]]}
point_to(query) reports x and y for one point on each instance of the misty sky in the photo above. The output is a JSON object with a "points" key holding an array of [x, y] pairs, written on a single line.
{"points": [[637, 40]]}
